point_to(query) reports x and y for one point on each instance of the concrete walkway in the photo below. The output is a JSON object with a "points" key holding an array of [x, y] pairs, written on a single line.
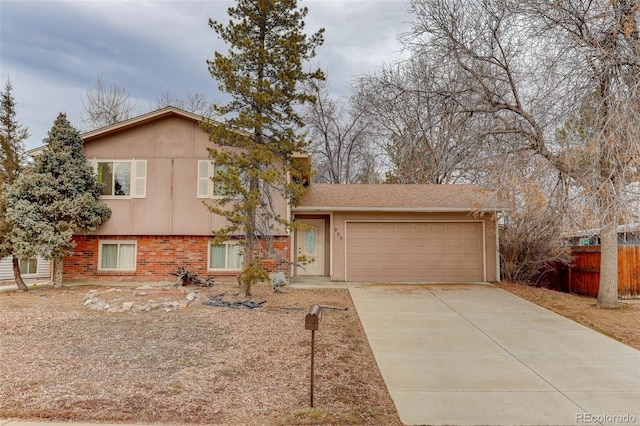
{"points": [[478, 355]]}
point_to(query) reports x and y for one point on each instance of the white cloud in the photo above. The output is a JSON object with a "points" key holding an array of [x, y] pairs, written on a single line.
{"points": [[53, 50]]}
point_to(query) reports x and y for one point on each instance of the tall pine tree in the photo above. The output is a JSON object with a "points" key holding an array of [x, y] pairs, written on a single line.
{"points": [[263, 74], [54, 198], [12, 136]]}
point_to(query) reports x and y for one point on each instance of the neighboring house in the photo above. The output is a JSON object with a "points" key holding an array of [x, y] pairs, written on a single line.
{"points": [[627, 235], [29, 268], [157, 171]]}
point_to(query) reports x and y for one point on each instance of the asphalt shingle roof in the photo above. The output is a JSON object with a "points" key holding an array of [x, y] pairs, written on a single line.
{"points": [[401, 197]]}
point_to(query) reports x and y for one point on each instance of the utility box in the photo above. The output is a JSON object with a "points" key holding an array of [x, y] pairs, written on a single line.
{"points": [[312, 320]]}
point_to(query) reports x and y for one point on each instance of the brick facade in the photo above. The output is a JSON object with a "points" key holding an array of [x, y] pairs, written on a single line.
{"points": [[157, 256]]}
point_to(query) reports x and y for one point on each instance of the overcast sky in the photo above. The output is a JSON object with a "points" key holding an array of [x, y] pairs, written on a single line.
{"points": [[53, 50]]}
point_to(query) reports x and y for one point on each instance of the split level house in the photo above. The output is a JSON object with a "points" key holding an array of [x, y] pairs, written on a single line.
{"points": [[157, 181]]}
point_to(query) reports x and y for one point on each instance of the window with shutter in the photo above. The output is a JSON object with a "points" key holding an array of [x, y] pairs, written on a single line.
{"points": [[122, 178], [206, 171], [140, 180]]}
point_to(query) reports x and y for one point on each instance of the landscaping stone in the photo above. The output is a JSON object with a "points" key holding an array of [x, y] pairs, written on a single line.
{"points": [[93, 302]]}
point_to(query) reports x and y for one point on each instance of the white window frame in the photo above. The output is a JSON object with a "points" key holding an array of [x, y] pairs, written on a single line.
{"points": [[211, 169], [119, 243], [137, 178], [226, 257], [26, 274]]}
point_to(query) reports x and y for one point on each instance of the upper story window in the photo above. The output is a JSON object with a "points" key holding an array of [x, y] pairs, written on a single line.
{"points": [[122, 178], [115, 177], [206, 171]]}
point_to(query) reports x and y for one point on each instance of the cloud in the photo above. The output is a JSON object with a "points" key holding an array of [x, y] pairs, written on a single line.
{"points": [[54, 50]]}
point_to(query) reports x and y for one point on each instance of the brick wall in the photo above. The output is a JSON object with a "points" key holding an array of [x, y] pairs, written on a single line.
{"points": [[157, 256]]}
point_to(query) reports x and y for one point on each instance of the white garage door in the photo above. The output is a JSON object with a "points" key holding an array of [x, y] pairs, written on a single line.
{"points": [[414, 251]]}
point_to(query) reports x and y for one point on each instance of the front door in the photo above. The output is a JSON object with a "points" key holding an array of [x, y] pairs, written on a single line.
{"points": [[310, 248]]}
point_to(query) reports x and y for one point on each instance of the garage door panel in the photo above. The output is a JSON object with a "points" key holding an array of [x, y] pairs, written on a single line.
{"points": [[414, 251]]}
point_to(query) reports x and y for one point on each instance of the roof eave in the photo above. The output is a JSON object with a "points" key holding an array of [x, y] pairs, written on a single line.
{"points": [[397, 209], [140, 119]]}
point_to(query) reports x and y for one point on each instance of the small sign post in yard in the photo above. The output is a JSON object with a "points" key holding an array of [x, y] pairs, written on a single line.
{"points": [[311, 322]]}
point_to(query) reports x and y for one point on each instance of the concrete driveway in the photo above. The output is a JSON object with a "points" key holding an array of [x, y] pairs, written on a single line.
{"points": [[478, 355]]}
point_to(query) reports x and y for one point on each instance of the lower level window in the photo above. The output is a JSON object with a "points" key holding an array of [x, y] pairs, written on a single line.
{"points": [[225, 256], [28, 266], [117, 255]]}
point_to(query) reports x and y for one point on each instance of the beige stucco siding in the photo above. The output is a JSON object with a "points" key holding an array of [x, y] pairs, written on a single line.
{"points": [[152, 215], [171, 147], [479, 232], [137, 142], [189, 214], [120, 221]]}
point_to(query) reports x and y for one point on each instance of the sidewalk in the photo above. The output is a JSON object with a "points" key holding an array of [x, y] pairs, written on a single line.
{"points": [[32, 284]]}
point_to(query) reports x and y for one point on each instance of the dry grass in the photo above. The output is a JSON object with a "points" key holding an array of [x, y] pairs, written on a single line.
{"points": [[621, 323], [212, 365], [199, 365]]}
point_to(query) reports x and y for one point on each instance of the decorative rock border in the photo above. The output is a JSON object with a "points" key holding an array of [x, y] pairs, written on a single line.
{"points": [[94, 302]]}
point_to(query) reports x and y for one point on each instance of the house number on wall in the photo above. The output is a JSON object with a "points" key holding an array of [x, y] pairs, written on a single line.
{"points": [[311, 241]]}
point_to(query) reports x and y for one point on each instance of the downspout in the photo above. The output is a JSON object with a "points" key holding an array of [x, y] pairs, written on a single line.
{"points": [[171, 196], [331, 246]]}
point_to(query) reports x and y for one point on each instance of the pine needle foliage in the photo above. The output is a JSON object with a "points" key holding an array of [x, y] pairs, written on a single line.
{"points": [[12, 160], [12, 136], [263, 74], [54, 198]]}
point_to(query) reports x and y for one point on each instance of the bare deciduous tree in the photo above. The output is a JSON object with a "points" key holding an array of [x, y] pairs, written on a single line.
{"points": [[105, 105], [196, 103], [531, 235], [423, 134], [527, 68], [340, 140]]}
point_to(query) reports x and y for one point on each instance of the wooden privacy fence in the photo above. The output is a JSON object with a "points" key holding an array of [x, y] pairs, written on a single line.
{"points": [[583, 275]]}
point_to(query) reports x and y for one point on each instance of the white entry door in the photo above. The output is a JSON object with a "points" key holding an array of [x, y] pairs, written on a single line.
{"points": [[310, 248]]}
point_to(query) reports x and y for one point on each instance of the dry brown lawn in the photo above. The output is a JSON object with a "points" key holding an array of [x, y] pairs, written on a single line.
{"points": [[61, 360]]}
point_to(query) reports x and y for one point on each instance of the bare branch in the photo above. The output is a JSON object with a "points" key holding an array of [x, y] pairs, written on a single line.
{"points": [[105, 105]]}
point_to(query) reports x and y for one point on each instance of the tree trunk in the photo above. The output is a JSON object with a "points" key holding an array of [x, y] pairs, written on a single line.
{"points": [[248, 267], [17, 276], [608, 290], [58, 269], [247, 263]]}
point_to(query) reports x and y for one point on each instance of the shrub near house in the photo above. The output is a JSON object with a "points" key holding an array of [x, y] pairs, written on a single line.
{"points": [[55, 197]]}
